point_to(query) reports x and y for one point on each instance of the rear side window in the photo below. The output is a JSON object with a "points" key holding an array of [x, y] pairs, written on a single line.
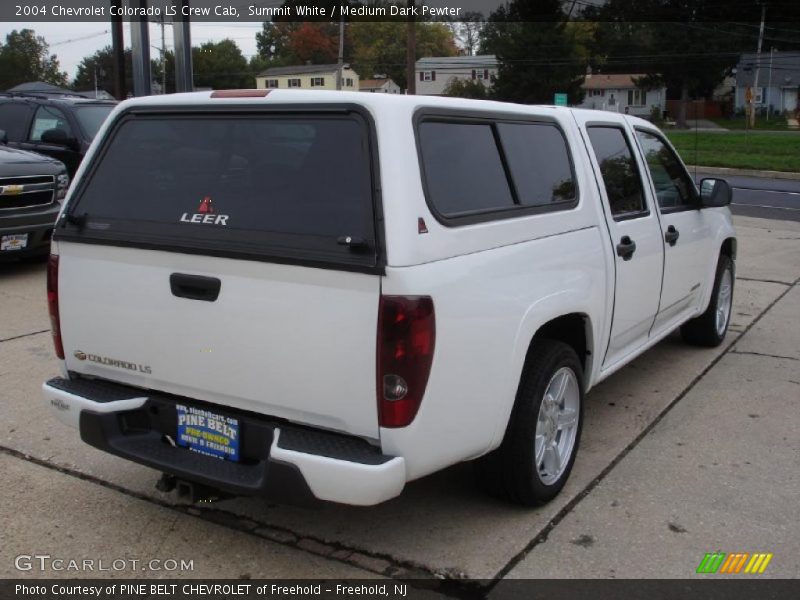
{"points": [[618, 168], [49, 117], [463, 169], [485, 167], [276, 185], [92, 117], [539, 163]]}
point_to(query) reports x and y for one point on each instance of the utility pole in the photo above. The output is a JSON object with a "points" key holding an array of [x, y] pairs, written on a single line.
{"points": [[411, 51], [340, 60], [163, 58], [140, 48], [758, 67], [181, 34], [118, 51]]}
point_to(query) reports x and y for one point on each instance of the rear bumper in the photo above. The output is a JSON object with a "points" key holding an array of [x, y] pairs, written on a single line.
{"points": [[37, 224], [280, 462]]}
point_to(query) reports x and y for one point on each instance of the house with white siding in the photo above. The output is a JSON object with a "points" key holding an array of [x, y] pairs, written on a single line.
{"points": [[434, 73], [619, 93], [380, 86], [318, 77]]}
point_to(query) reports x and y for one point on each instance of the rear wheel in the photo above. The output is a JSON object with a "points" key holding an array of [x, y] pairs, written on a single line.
{"points": [[535, 459], [709, 329]]}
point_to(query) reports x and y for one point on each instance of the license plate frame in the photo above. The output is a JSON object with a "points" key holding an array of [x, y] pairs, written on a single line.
{"points": [[13, 242], [207, 432]]}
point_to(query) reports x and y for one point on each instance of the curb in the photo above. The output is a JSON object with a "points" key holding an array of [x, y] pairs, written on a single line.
{"points": [[746, 172]]}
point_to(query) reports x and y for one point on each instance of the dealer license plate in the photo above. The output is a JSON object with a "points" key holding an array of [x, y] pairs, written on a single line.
{"points": [[16, 241], [208, 433]]}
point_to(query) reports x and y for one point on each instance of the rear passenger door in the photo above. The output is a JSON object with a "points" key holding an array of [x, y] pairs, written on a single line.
{"points": [[46, 118], [635, 236], [687, 234]]}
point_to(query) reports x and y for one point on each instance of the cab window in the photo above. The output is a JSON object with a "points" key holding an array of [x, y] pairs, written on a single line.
{"points": [[620, 173], [674, 187]]}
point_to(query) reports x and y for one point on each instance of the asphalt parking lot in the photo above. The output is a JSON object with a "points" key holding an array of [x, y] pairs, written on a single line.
{"points": [[685, 451]]}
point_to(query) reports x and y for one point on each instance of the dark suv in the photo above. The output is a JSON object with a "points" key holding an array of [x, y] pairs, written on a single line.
{"points": [[31, 189], [61, 127]]}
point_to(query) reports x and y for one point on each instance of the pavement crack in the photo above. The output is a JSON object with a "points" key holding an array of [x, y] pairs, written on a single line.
{"points": [[416, 575], [778, 356], [24, 335], [576, 500], [764, 281]]}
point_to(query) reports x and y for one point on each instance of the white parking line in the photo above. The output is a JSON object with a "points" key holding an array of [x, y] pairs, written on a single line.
{"points": [[764, 206], [768, 191]]}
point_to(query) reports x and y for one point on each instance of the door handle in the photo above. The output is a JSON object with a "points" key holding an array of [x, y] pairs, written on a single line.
{"points": [[672, 235], [194, 287], [626, 248]]}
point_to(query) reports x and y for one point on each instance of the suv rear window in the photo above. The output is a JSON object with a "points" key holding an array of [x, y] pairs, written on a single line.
{"points": [[284, 186]]}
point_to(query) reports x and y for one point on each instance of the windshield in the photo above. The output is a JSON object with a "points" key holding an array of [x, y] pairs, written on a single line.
{"points": [[92, 117]]}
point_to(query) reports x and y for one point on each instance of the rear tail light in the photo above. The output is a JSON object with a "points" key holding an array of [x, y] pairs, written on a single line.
{"points": [[406, 339], [52, 304]]}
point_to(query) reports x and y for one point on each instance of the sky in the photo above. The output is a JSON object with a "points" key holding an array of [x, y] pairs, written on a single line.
{"points": [[71, 42]]}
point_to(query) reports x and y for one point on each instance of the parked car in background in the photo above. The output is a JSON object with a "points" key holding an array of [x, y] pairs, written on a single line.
{"points": [[60, 127], [31, 189]]}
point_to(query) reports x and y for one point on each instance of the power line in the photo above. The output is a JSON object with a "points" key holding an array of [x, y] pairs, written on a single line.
{"points": [[80, 39]]}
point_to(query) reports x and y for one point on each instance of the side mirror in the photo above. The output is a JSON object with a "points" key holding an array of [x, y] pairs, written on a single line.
{"points": [[3, 136], [714, 193], [59, 137]]}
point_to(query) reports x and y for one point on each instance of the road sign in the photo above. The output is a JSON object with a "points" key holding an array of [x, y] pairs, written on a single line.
{"points": [[560, 100]]}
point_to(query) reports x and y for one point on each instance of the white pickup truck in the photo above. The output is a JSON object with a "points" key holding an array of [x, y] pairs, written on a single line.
{"points": [[320, 296]]}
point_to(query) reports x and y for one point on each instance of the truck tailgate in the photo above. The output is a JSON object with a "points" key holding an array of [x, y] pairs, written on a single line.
{"points": [[286, 341]]}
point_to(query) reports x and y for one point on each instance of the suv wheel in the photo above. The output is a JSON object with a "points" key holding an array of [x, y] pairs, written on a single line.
{"points": [[709, 329], [535, 459]]}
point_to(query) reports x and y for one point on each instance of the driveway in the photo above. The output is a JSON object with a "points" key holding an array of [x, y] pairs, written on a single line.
{"points": [[672, 464]]}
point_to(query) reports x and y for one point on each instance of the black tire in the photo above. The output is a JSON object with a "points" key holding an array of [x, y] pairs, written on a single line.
{"points": [[510, 472], [703, 330]]}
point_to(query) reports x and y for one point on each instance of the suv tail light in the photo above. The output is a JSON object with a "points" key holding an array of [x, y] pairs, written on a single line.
{"points": [[406, 338], [52, 304]]}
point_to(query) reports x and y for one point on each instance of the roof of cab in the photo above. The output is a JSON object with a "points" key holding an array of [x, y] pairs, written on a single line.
{"points": [[376, 101]]}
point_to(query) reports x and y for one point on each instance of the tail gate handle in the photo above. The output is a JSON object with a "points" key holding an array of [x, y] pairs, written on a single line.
{"points": [[195, 287]]}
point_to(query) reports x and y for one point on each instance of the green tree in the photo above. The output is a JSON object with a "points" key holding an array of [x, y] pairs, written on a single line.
{"points": [[689, 46], [540, 54], [286, 43], [25, 57], [102, 63], [221, 65], [467, 31], [380, 46], [466, 88]]}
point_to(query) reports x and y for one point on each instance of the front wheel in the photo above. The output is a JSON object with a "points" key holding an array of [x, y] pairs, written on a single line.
{"points": [[709, 329], [535, 459]]}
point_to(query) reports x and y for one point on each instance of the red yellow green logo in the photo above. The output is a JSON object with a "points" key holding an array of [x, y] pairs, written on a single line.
{"points": [[734, 563]]}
